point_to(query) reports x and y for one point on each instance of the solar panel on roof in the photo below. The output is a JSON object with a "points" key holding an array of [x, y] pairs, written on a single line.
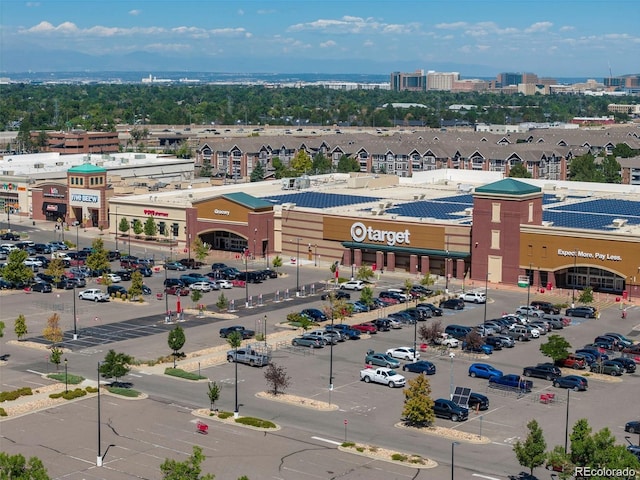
{"points": [[320, 200]]}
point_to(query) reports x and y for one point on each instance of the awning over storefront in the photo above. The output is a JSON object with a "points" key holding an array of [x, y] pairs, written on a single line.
{"points": [[407, 250], [59, 208]]}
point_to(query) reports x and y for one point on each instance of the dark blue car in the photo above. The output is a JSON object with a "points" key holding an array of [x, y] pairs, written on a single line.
{"points": [[574, 382], [421, 366]]}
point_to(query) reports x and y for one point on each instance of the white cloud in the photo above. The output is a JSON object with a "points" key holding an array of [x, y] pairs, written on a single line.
{"points": [[368, 43], [135, 12], [451, 26], [539, 27], [229, 32], [167, 47], [265, 12], [240, 12], [353, 25], [328, 44], [567, 28], [33, 4], [483, 48]]}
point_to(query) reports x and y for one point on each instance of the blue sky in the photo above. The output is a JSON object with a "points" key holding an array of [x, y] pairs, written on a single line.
{"points": [[562, 38]]}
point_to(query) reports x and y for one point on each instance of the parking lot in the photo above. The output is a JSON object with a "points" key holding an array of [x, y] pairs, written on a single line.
{"points": [[370, 410]]}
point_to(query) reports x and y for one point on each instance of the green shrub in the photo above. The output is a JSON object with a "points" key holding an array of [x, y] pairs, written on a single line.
{"points": [[398, 457], [360, 449], [373, 449], [177, 372], [69, 395], [348, 444], [256, 422], [3, 413], [224, 415], [125, 392], [92, 389], [14, 394], [55, 395], [416, 459], [71, 379]]}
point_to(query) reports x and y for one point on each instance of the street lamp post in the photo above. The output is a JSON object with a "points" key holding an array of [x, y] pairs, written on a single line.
{"points": [[451, 356], [566, 424], [77, 237], [266, 250], [484, 318], [166, 299], [75, 317], [116, 228], [246, 277], [528, 291], [8, 209], [330, 297], [129, 236], [236, 411], [315, 256], [298, 266], [99, 457], [265, 331], [255, 232], [415, 336], [453, 463], [66, 381], [446, 266]]}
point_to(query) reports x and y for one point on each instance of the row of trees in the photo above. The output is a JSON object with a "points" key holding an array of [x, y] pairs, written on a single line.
{"points": [[101, 107]]}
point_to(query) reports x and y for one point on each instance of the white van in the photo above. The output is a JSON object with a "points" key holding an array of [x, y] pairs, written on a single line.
{"points": [[61, 255]]}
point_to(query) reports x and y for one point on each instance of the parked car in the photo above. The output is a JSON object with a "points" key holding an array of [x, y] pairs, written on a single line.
{"points": [[226, 284], [546, 307], [314, 314], [306, 341], [586, 312], [125, 275], [483, 370], [322, 335], [529, 311], [494, 342], [352, 285], [345, 330], [505, 340], [484, 348], [41, 287], [628, 364], [446, 340], [403, 353], [244, 332], [457, 331], [177, 290], [453, 304], [474, 297], [380, 359], [632, 427], [542, 370], [201, 286], [382, 324], [477, 401], [116, 289], [191, 263], [607, 367], [421, 366], [574, 382], [336, 294], [398, 297], [444, 408], [577, 362], [624, 341], [420, 291], [94, 294], [32, 262], [11, 236], [366, 327], [436, 311], [175, 266]]}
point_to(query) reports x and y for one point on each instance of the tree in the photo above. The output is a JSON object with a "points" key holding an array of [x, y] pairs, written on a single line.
{"points": [[16, 467], [519, 171], [277, 378], [557, 348], [188, 470], [137, 227], [258, 173], [427, 279], [98, 259], [150, 228], [584, 169], [52, 332], [176, 341], [115, 365], [205, 169], [200, 249], [136, 285], [473, 340], [56, 356], [276, 262], [2, 327], [347, 164], [55, 269], [321, 164], [366, 296], [364, 273], [611, 169], [586, 296], [531, 453], [213, 393], [124, 225], [196, 295], [301, 162], [429, 332], [16, 271], [418, 404], [222, 302], [20, 327]]}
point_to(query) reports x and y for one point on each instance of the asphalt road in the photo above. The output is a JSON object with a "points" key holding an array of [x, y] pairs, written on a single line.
{"points": [[147, 431]]}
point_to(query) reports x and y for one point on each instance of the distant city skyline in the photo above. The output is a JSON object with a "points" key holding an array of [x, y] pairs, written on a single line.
{"points": [[566, 38]]}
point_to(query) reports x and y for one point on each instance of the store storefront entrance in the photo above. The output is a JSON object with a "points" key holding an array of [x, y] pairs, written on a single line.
{"points": [[598, 279]]}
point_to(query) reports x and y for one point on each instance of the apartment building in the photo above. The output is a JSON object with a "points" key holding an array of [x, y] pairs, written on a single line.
{"points": [[77, 141]]}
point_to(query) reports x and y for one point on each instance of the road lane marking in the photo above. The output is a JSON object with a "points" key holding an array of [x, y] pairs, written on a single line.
{"points": [[484, 476], [332, 442]]}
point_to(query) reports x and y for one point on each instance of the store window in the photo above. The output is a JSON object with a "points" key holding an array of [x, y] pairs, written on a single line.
{"points": [[162, 227]]}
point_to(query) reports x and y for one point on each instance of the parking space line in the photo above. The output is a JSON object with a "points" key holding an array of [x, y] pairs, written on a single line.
{"points": [[332, 442]]}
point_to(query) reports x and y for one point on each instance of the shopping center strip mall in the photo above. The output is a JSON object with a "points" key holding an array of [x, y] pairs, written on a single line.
{"points": [[467, 226]]}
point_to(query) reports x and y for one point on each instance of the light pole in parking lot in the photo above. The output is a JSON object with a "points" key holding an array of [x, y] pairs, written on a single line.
{"points": [[575, 278], [75, 317], [528, 291], [415, 335], [451, 356], [99, 457], [77, 225], [566, 424], [246, 277], [453, 463], [484, 320], [116, 228], [298, 266], [66, 381], [166, 298]]}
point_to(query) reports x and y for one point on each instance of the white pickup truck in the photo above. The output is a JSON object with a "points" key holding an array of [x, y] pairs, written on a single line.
{"points": [[386, 376], [249, 356]]}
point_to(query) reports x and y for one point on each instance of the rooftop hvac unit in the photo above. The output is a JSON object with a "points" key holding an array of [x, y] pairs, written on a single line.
{"points": [[468, 211], [388, 204], [38, 165], [561, 197], [381, 204], [376, 211], [416, 197], [619, 222], [422, 195], [547, 224]]}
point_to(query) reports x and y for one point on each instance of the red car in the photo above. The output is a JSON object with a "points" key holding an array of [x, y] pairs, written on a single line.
{"points": [[366, 327], [176, 290], [389, 301]]}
